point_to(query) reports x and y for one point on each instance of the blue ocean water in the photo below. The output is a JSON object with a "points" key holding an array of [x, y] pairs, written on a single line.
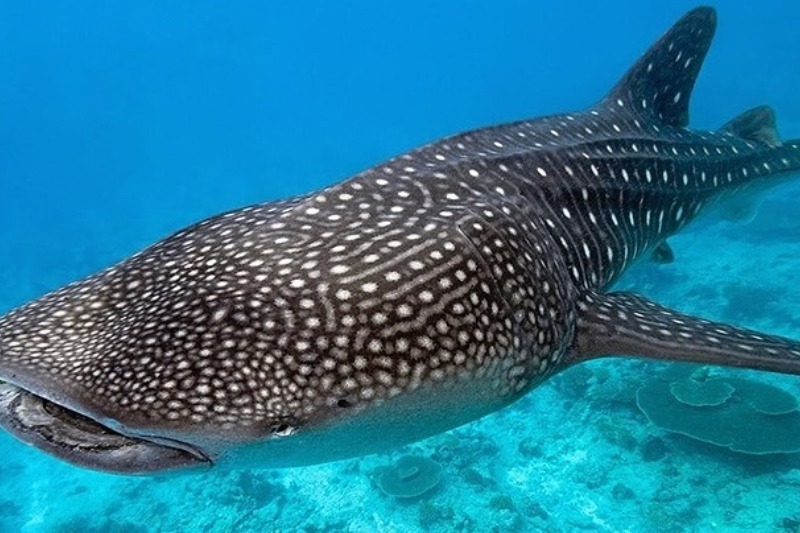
{"points": [[122, 122]]}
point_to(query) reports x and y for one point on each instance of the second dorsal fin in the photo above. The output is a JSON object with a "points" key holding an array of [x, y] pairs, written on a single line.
{"points": [[757, 124], [659, 84]]}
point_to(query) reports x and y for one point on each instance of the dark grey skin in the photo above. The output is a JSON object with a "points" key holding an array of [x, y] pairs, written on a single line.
{"points": [[414, 297]]}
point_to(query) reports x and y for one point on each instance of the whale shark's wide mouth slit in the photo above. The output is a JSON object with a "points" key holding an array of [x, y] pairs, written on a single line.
{"points": [[86, 442]]}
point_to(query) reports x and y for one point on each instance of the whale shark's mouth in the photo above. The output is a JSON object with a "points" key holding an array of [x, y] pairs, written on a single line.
{"points": [[84, 441]]}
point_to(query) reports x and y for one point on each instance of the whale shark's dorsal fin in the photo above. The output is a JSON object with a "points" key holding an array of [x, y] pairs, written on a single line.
{"points": [[659, 84], [757, 124]]}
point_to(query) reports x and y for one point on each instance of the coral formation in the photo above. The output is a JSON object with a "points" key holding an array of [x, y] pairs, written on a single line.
{"points": [[410, 477], [743, 415], [701, 393]]}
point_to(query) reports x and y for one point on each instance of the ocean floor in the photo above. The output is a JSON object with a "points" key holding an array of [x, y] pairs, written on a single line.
{"points": [[575, 454]]}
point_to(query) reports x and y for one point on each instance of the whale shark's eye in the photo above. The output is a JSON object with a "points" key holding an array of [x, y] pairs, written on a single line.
{"points": [[343, 403], [282, 430]]}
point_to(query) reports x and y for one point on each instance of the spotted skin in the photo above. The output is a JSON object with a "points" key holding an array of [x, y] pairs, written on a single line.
{"points": [[416, 296]]}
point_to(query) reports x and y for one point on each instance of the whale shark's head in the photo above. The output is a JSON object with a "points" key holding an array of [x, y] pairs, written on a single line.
{"points": [[158, 363], [107, 382]]}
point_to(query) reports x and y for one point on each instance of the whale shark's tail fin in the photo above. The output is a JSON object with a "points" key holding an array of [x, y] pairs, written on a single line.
{"points": [[658, 86], [627, 324]]}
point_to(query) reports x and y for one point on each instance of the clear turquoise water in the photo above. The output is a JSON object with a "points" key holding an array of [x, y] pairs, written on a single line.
{"points": [[121, 123]]}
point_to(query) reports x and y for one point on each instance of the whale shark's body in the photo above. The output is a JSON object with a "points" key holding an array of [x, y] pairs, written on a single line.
{"points": [[414, 297]]}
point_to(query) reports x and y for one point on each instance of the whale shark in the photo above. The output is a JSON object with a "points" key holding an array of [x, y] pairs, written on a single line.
{"points": [[416, 296]]}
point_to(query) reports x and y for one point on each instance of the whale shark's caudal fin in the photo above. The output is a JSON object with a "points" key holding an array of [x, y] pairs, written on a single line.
{"points": [[658, 86], [627, 324]]}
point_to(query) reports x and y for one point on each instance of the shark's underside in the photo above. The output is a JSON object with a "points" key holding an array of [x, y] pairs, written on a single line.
{"points": [[416, 296]]}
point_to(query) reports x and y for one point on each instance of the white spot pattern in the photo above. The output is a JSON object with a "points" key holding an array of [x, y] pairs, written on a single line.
{"points": [[464, 259]]}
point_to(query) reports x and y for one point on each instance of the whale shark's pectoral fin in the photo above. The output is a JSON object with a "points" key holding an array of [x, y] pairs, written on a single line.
{"points": [[627, 324]]}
